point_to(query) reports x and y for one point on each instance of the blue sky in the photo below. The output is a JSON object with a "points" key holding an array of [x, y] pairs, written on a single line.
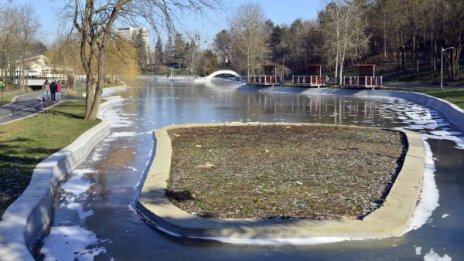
{"points": [[279, 11]]}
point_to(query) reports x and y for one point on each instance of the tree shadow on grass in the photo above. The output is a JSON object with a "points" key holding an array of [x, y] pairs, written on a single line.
{"points": [[68, 115], [16, 167]]}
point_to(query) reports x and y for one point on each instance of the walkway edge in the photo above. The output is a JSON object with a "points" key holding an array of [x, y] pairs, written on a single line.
{"points": [[30, 215], [390, 220]]}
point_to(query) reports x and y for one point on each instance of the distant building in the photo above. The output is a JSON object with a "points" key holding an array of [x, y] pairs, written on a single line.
{"points": [[136, 34], [34, 67]]}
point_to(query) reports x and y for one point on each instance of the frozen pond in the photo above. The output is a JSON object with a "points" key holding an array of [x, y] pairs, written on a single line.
{"points": [[95, 219]]}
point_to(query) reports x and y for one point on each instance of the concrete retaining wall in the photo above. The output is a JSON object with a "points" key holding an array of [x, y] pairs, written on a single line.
{"points": [[451, 112], [106, 92], [113, 90], [30, 215]]}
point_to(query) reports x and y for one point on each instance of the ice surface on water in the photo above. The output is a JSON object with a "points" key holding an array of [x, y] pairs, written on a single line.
{"points": [[408, 114], [73, 242], [76, 242]]}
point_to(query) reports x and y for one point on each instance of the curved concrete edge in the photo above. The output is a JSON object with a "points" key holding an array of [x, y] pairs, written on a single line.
{"points": [[106, 92], [113, 90], [390, 220], [30, 215], [450, 111]]}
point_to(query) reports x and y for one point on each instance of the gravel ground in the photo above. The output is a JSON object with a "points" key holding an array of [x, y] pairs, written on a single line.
{"points": [[279, 171]]}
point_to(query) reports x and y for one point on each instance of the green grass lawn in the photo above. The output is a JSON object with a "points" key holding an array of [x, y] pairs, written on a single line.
{"points": [[25, 143], [7, 96], [455, 96]]}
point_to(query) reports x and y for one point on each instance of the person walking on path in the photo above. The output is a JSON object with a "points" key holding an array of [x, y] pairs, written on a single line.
{"points": [[46, 91], [58, 91], [53, 88]]}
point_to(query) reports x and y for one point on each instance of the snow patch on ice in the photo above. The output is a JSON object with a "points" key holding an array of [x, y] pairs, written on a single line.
{"points": [[432, 256], [123, 134], [70, 243], [79, 209], [430, 194], [76, 185], [116, 118], [81, 172], [458, 140]]}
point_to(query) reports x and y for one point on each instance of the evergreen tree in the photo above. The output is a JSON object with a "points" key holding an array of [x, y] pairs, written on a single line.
{"points": [[169, 52], [158, 56], [142, 49], [179, 51]]}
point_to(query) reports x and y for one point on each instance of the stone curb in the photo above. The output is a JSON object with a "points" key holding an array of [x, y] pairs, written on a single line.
{"points": [[390, 220], [106, 92], [30, 215]]}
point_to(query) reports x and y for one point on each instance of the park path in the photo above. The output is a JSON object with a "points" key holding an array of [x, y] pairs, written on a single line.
{"points": [[23, 106]]}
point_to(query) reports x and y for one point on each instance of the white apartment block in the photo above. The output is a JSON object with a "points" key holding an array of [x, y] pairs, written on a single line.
{"points": [[130, 33]]}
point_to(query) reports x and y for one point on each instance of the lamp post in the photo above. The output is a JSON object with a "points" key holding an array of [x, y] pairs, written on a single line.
{"points": [[441, 71]]}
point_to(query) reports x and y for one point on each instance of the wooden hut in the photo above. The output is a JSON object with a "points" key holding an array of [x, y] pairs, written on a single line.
{"points": [[365, 79], [314, 77], [269, 78]]}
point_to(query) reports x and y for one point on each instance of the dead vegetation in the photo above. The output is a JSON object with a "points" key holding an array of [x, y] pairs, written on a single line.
{"points": [[278, 171]]}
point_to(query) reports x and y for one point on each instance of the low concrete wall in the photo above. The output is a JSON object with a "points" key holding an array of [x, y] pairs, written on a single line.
{"points": [[451, 112], [30, 215], [106, 92], [113, 90]]}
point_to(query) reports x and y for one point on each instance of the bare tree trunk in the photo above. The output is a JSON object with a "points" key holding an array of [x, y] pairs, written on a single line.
{"points": [[98, 90], [71, 82], [398, 66], [456, 53], [417, 68], [90, 94]]}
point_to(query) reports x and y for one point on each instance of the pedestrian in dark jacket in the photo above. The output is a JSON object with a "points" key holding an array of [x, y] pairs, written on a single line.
{"points": [[53, 89]]}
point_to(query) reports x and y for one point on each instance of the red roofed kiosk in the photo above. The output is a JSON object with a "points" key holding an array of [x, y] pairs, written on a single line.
{"points": [[313, 79], [366, 78]]}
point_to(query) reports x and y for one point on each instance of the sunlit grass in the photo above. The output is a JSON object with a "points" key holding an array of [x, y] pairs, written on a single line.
{"points": [[25, 143], [455, 96]]}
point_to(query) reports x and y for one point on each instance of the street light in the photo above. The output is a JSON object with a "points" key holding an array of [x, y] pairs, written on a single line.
{"points": [[441, 71]]}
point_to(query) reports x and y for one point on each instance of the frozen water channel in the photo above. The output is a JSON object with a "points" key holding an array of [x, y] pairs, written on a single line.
{"points": [[95, 220]]}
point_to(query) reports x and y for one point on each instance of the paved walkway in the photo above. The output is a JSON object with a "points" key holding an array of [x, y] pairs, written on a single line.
{"points": [[23, 106]]}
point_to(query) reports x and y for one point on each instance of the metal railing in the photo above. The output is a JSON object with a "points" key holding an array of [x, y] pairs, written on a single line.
{"points": [[310, 80], [363, 81], [265, 80]]}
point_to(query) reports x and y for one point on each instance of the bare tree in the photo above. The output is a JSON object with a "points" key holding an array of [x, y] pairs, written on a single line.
{"points": [[249, 35], [344, 31], [18, 27], [94, 21]]}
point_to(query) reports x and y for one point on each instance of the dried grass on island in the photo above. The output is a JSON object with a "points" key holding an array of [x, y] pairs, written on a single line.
{"points": [[283, 171]]}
